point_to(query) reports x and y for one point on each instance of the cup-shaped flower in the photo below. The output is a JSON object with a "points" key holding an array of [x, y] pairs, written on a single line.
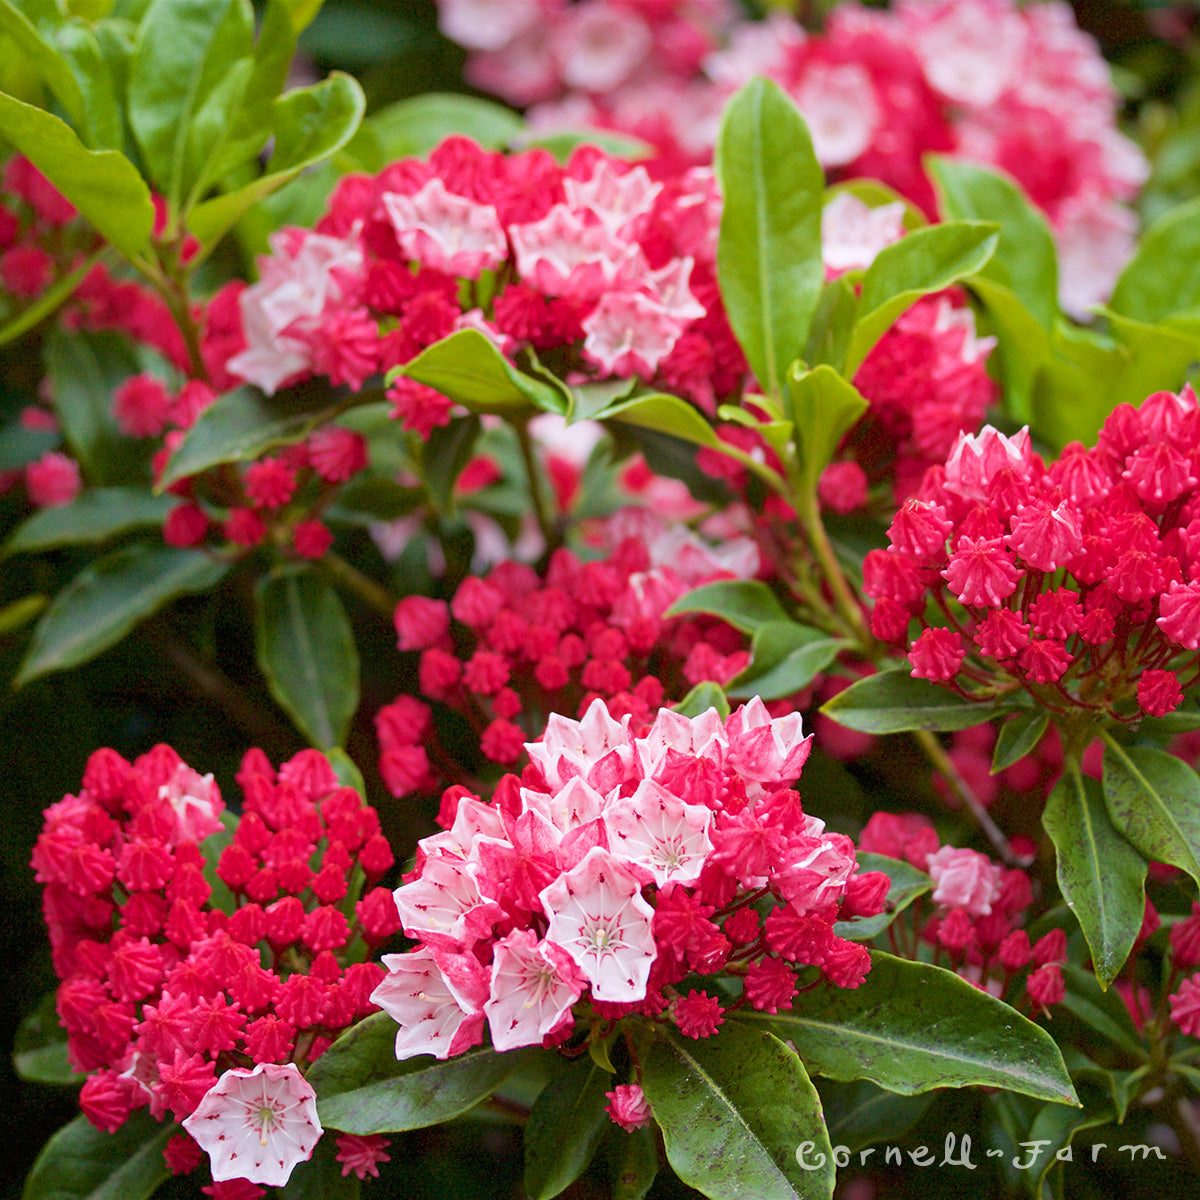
{"points": [[257, 1124]]}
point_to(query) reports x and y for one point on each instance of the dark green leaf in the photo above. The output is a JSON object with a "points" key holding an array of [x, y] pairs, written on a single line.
{"points": [[823, 407], [734, 1109], [106, 600], [701, 698], [413, 127], [911, 1026], [21, 612], [746, 604], [94, 516], [769, 250], [1058, 1124], [565, 1127], [40, 1048], [103, 185], [1019, 737], [19, 446], [1101, 875], [1025, 261], [81, 1163], [862, 1113], [468, 369], [184, 50], [363, 1089], [784, 658], [893, 701], [1153, 799], [907, 884], [633, 1159], [1103, 1012], [444, 454], [241, 426], [309, 125], [321, 1178], [306, 651], [1162, 279], [922, 262]]}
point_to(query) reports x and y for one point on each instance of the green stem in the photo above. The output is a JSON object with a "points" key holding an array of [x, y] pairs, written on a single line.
{"points": [[546, 520], [365, 588], [809, 511]]}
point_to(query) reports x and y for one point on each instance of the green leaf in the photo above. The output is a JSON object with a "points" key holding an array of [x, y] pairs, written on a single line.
{"points": [[302, 12], [907, 884], [862, 1113], [701, 698], [824, 407], [734, 1109], [363, 1089], [633, 1160], [444, 454], [588, 399], [468, 369], [1100, 874], [50, 301], [833, 323], [911, 1026], [1153, 799], [106, 600], [241, 426], [19, 446], [45, 61], [94, 516], [309, 125], [184, 50], [746, 604], [784, 658], [1025, 261], [1162, 279], [40, 1048], [20, 612], [413, 127], [1152, 358], [103, 185], [81, 1163], [1103, 1012], [922, 262], [306, 651], [893, 702], [565, 1127], [562, 143], [1019, 737], [346, 770], [769, 249], [664, 413], [1058, 1124], [321, 1178]]}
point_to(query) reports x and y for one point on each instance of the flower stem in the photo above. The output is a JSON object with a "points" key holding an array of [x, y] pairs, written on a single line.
{"points": [[365, 588]]}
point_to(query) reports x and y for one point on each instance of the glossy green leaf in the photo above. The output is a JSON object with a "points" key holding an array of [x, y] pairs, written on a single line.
{"points": [[1103, 1012], [307, 653], [108, 599], [414, 126], [633, 1162], [40, 1048], [94, 516], [103, 185], [824, 406], [1101, 875], [184, 51], [208, 135], [1019, 737], [922, 262], [893, 702], [769, 249], [565, 1127], [664, 413], [81, 1163], [363, 1089], [1152, 358], [588, 399], [309, 124], [863, 1114], [46, 61], [468, 369], [833, 323], [746, 604], [241, 426], [1162, 279], [1025, 260], [784, 658], [444, 454], [907, 884], [1058, 1124], [701, 698], [1153, 799], [911, 1026], [734, 1109]]}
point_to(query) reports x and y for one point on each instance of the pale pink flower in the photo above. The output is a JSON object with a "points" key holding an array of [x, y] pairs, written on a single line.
{"points": [[837, 101], [600, 46], [853, 233], [533, 986], [196, 801], [569, 748], [663, 839], [763, 748], [447, 232], [756, 48], [486, 25], [627, 1106], [818, 867], [702, 736], [629, 333], [964, 879], [569, 252], [597, 915], [617, 198], [257, 1124], [440, 1012], [977, 457], [1095, 237], [444, 907], [576, 804]]}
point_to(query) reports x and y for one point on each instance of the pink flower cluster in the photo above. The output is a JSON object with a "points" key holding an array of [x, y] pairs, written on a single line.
{"points": [[615, 866], [1018, 87], [513, 647], [172, 1001], [593, 260], [979, 909], [1078, 581]]}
